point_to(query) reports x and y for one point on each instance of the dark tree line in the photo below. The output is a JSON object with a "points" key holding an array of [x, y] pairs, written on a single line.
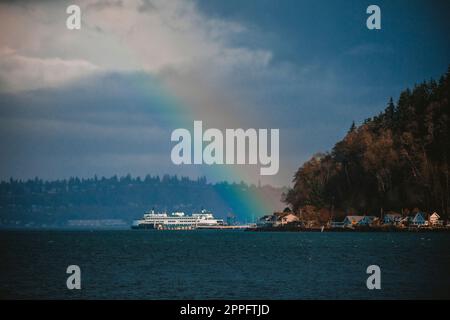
{"points": [[396, 161], [127, 197]]}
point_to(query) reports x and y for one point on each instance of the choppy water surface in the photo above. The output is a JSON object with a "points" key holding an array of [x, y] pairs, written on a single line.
{"points": [[208, 264]]}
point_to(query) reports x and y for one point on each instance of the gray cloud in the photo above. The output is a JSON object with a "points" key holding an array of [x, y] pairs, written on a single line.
{"points": [[105, 99], [92, 119]]}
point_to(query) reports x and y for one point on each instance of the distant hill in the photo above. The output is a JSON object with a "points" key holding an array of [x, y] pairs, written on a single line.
{"points": [[398, 160], [39, 203]]}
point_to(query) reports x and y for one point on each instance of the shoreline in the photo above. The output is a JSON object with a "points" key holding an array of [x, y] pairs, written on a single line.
{"points": [[248, 229], [359, 229]]}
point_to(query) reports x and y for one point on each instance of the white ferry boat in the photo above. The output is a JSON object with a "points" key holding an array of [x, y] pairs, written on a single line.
{"points": [[177, 221]]}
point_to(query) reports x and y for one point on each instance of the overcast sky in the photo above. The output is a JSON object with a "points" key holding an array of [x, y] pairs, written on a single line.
{"points": [[104, 99]]}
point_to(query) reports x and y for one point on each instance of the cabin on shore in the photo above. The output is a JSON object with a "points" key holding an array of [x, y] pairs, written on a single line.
{"points": [[368, 221], [419, 220], [267, 221], [277, 219], [392, 219], [435, 220], [351, 221], [359, 221], [288, 218]]}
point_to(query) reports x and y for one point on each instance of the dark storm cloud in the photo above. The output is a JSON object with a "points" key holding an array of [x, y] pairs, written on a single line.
{"points": [[111, 118]]}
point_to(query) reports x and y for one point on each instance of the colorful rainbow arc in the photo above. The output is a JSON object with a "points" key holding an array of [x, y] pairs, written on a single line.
{"points": [[250, 204]]}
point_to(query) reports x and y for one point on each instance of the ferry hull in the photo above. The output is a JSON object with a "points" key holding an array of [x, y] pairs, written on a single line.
{"points": [[143, 226], [177, 221]]}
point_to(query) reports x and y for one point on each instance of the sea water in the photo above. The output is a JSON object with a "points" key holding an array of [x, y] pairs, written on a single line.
{"points": [[223, 264]]}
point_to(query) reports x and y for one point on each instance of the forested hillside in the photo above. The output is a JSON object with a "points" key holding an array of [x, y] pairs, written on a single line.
{"points": [[398, 160]]}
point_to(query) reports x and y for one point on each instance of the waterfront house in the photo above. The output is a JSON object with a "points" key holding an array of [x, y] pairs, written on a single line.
{"points": [[288, 218], [277, 219], [419, 219], [392, 218], [367, 220], [435, 220], [360, 221], [267, 221], [352, 221]]}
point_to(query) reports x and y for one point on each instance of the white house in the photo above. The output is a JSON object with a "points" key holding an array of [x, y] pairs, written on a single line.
{"points": [[288, 218], [435, 220]]}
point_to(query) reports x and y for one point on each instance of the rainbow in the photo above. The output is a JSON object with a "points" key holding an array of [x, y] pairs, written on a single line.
{"points": [[247, 206]]}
